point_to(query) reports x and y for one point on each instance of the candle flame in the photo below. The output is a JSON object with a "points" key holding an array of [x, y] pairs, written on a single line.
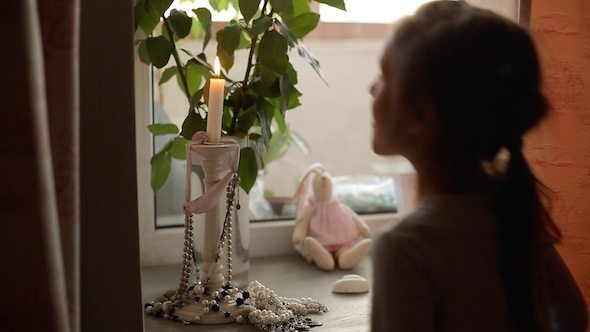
{"points": [[217, 67]]}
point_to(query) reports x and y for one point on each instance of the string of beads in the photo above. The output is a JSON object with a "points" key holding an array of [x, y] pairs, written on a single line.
{"points": [[258, 304]]}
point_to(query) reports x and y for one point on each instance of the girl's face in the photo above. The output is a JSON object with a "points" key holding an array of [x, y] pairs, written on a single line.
{"points": [[391, 126]]}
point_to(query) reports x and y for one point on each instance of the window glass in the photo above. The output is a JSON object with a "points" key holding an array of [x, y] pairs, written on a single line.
{"points": [[370, 11], [383, 11], [334, 118]]}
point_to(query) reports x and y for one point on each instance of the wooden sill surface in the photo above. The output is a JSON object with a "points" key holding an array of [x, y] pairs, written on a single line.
{"points": [[288, 276]]}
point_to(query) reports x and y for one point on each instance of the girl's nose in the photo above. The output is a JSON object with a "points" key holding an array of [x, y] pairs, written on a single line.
{"points": [[373, 88]]}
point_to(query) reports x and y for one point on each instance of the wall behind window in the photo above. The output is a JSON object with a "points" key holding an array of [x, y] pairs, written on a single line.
{"points": [[334, 118]]}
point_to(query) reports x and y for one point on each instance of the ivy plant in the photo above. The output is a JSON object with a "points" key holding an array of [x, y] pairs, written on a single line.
{"points": [[256, 101]]}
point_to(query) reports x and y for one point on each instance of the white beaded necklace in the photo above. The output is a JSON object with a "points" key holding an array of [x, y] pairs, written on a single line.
{"points": [[214, 300]]}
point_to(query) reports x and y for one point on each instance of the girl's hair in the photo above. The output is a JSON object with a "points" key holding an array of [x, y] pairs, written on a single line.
{"points": [[482, 72]]}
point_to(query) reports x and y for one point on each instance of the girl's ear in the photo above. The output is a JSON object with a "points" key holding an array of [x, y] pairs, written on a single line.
{"points": [[424, 118]]}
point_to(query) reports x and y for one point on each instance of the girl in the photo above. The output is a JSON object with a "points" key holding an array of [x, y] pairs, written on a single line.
{"points": [[459, 87]]}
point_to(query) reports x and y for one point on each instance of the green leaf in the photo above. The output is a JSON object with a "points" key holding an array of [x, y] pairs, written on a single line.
{"points": [[169, 33], [286, 32], [254, 141], [280, 6], [196, 99], [248, 8], [277, 147], [192, 123], [201, 66], [200, 58], [265, 116], [299, 7], [160, 6], [294, 99], [286, 88], [161, 163], [247, 118], [303, 24], [306, 54], [219, 5], [268, 83], [248, 168], [147, 14], [146, 18], [193, 76], [225, 59], [181, 23], [279, 117], [168, 74], [158, 129], [300, 142], [334, 3], [245, 40], [292, 74], [178, 148], [143, 54], [196, 28], [272, 52], [229, 37], [260, 25], [159, 50], [204, 17], [180, 83]]}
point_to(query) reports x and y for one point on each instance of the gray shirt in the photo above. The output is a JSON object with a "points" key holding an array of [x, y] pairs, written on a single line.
{"points": [[438, 270]]}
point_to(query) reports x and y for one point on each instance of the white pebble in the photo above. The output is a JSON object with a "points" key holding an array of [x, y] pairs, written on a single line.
{"points": [[351, 284]]}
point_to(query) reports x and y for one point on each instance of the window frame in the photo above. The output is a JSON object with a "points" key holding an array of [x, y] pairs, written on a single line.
{"points": [[163, 245], [270, 238]]}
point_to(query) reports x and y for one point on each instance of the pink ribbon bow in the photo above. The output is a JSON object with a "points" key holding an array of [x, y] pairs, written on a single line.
{"points": [[211, 196]]}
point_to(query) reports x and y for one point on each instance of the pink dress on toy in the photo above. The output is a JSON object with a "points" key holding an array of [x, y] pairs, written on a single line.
{"points": [[328, 232], [332, 225]]}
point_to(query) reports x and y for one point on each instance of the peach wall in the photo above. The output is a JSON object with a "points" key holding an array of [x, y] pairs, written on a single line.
{"points": [[559, 150]]}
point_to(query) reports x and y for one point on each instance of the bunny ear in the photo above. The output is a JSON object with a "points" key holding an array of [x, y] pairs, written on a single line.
{"points": [[313, 169], [303, 191]]}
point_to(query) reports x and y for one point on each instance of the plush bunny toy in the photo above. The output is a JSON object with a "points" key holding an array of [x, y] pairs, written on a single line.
{"points": [[328, 232]]}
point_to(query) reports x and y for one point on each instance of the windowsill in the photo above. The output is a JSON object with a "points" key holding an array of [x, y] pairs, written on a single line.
{"points": [[288, 276], [267, 239], [273, 238]]}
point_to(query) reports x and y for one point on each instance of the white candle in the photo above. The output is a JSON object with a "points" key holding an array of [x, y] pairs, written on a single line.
{"points": [[215, 106]]}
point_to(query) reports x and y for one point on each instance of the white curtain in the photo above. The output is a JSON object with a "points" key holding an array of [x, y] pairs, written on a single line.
{"points": [[39, 181]]}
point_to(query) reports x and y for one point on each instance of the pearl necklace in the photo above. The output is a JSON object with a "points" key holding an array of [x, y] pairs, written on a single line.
{"points": [[219, 300]]}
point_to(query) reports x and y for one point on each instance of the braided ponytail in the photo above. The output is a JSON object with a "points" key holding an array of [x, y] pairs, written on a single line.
{"points": [[524, 226]]}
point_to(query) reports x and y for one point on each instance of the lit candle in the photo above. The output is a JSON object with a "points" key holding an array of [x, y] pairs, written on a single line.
{"points": [[215, 107]]}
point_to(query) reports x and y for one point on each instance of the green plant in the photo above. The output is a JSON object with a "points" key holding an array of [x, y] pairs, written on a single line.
{"points": [[255, 103]]}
